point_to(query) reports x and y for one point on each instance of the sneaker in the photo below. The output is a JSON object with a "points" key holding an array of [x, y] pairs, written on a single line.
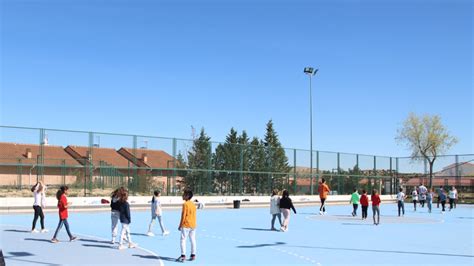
{"points": [[72, 239], [165, 233], [54, 240], [182, 258], [44, 230], [112, 241], [132, 245], [34, 231], [320, 213], [121, 247], [150, 234], [193, 257]]}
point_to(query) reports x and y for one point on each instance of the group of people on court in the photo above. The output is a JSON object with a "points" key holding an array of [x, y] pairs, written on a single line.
{"points": [[421, 195], [120, 211]]}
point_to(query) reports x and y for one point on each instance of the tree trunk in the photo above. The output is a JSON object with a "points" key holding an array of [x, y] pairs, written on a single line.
{"points": [[431, 173]]}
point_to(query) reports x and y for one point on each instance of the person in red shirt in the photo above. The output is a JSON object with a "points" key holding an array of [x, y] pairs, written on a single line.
{"points": [[375, 198], [364, 203], [323, 190], [63, 214]]}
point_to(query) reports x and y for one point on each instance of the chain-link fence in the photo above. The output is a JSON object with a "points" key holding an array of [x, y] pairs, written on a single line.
{"points": [[95, 163]]}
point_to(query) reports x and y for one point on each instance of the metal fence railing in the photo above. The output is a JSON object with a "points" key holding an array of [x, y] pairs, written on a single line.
{"points": [[95, 163]]}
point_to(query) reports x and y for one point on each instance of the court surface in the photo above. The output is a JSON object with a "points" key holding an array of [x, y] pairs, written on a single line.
{"points": [[242, 237]]}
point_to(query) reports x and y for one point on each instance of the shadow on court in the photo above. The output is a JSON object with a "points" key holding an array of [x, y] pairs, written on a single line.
{"points": [[263, 245], [138, 234], [17, 231], [388, 251], [38, 239], [257, 229], [98, 246], [152, 257], [94, 241]]}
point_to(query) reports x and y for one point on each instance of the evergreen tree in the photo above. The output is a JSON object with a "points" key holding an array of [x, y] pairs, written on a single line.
{"points": [[199, 164], [243, 140], [275, 159], [256, 163]]}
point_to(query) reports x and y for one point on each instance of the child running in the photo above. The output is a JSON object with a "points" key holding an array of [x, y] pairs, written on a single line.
{"points": [[63, 213], [364, 203], [323, 190], [156, 212], [125, 219], [285, 205], [275, 208], [355, 202], [401, 202], [375, 198], [187, 225], [115, 212], [38, 206]]}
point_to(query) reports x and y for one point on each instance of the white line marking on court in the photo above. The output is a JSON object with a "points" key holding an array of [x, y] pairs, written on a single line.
{"points": [[96, 237]]}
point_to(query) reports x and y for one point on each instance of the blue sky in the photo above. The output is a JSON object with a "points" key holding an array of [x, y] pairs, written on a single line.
{"points": [[160, 67]]}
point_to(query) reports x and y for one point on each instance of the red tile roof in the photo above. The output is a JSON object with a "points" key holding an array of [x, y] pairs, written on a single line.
{"points": [[107, 155], [53, 155]]}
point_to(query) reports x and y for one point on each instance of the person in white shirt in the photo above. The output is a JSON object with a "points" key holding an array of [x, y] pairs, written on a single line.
{"points": [[414, 195], [275, 208], [422, 197], [39, 193], [452, 195], [156, 212], [401, 202]]}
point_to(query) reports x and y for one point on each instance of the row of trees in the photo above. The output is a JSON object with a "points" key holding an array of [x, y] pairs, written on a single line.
{"points": [[240, 164]]}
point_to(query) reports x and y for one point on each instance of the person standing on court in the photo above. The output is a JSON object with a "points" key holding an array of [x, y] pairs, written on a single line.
{"points": [[453, 194], [323, 190], [364, 203], [429, 199], [414, 196], [275, 208], [187, 225], [355, 197], [125, 220], [442, 198], [401, 202], [422, 195], [375, 198], [285, 205], [438, 192], [115, 212], [63, 206], [38, 206]]}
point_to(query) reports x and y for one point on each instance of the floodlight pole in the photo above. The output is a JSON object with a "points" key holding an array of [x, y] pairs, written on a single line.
{"points": [[310, 72]]}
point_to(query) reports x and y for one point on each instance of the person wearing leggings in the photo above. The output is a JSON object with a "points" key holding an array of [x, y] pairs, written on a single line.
{"points": [[323, 190], [40, 201]]}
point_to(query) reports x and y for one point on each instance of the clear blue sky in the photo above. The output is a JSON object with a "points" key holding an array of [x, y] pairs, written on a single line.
{"points": [[160, 67]]}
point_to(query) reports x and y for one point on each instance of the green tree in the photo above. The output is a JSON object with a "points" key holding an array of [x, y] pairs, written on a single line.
{"points": [[199, 163], [426, 137], [275, 158], [256, 165]]}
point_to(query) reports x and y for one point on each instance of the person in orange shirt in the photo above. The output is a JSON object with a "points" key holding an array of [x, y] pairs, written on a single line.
{"points": [[187, 225], [323, 190]]}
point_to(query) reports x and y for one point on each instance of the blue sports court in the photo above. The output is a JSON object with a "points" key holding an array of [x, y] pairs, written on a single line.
{"points": [[242, 237]]}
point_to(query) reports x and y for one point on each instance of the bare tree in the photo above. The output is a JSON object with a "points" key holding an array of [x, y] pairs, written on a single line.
{"points": [[426, 137]]}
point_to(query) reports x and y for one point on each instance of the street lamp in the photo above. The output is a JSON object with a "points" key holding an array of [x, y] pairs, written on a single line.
{"points": [[310, 72]]}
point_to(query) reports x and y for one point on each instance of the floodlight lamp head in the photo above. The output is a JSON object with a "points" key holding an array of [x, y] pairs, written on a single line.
{"points": [[308, 70]]}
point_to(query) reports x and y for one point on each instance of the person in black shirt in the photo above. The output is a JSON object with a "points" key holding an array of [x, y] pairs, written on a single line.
{"points": [[285, 206]]}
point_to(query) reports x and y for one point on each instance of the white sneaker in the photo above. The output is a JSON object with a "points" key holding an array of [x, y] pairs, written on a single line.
{"points": [[320, 213], [132, 245], [112, 241], [44, 230], [150, 234], [121, 247], [165, 233], [34, 231]]}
